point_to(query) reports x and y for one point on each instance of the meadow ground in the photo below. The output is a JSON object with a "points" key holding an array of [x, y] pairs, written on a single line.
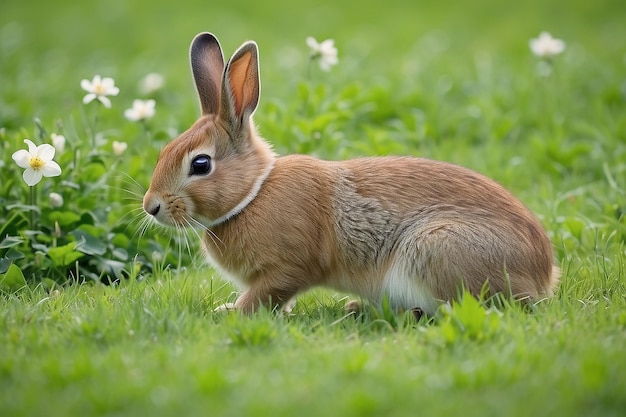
{"points": [[441, 79]]}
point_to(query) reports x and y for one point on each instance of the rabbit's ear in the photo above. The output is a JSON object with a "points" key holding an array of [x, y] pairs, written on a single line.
{"points": [[207, 65], [241, 85]]}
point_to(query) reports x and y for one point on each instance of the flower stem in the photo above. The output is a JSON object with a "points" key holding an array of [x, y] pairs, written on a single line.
{"points": [[33, 204], [76, 170], [146, 130], [94, 132]]}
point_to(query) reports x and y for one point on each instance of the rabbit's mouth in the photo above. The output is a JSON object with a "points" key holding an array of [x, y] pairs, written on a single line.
{"points": [[169, 210]]}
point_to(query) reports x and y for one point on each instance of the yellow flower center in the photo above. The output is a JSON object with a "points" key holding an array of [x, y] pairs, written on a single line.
{"points": [[99, 89], [36, 163]]}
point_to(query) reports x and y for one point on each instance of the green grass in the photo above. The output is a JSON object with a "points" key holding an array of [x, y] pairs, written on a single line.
{"points": [[155, 348], [447, 80]]}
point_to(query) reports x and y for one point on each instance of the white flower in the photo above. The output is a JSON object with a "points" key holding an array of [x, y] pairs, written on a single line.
{"points": [[56, 200], [37, 161], [58, 141], [325, 51], [141, 110], [151, 83], [99, 89], [119, 147], [546, 46]]}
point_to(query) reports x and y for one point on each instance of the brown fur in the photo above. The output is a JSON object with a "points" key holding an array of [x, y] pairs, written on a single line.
{"points": [[411, 229]]}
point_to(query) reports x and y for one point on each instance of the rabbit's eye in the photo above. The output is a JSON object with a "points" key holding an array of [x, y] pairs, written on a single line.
{"points": [[200, 165]]}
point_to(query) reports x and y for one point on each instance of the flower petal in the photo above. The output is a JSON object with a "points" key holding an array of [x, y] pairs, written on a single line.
{"points": [[559, 46], [32, 176], [89, 98], [105, 101], [86, 85], [151, 82], [327, 45], [46, 152], [32, 148], [131, 114], [51, 169], [108, 85], [22, 158], [119, 147], [313, 44]]}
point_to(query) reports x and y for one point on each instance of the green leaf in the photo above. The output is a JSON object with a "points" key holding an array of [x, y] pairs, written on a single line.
{"points": [[96, 158], [14, 254], [40, 247], [64, 218], [10, 241], [64, 255], [32, 233], [13, 280], [5, 263], [121, 254], [88, 243], [110, 267], [14, 223], [87, 218], [121, 239], [24, 207], [69, 184], [49, 284]]}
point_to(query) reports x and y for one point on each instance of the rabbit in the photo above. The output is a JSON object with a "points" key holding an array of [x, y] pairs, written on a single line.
{"points": [[410, 230]]}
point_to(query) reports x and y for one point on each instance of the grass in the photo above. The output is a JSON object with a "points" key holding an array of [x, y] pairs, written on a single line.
{"points": [[155, 348], [440, 79]]}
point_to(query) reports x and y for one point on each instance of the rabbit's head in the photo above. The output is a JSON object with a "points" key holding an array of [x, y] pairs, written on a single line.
{"points": [[214, 169]]}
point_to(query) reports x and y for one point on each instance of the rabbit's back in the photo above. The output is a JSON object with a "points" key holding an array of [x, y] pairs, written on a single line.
{"points": [[435, 227]]}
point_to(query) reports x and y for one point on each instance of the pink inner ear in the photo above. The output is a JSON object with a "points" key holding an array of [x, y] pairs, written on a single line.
{"points": [[241, 82]]}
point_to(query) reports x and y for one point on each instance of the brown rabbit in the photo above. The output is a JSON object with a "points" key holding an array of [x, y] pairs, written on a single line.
{"points": [[409, 229]]}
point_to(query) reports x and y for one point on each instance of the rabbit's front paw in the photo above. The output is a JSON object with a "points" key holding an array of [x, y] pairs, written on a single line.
{"points": [[225, 307]]}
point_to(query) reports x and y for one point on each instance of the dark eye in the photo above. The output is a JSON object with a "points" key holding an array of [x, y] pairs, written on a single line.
{"points": [[200, 165]]}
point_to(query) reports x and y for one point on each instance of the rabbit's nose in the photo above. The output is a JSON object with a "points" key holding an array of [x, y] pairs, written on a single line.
{"points": [[154, 210]]}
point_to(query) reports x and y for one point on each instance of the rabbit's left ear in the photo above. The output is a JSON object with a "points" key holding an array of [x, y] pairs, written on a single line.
{"points": [[241, 85], [207, 65]]}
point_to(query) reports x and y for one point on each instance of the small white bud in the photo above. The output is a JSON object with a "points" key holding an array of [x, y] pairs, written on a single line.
{"points": [[58, 141], [56, 200], [119, 147]]}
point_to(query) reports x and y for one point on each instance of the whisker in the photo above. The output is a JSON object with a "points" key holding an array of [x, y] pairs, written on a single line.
{"points": [[145, 224], [211, 234], [132, 181], [130, 187], [131, 217], [182, 242], [189, 221], [129, 192], [186, 231]]}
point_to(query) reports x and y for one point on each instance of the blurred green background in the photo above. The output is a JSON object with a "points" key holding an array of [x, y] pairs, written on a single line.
{"points": [[47, 47]]}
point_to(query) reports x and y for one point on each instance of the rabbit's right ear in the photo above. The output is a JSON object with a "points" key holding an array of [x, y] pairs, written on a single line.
{"points": [[207, 65]]}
